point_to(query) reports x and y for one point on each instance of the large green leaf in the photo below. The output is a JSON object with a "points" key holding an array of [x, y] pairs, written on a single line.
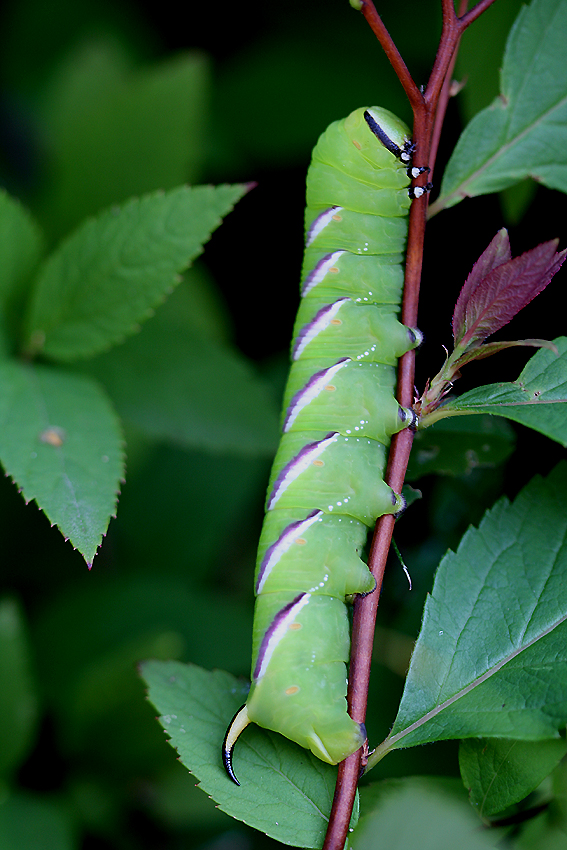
{"points": [[537, 399], [479, 59], [491, 657], [499, 772], [285, 791], [523, 133], [110, 273], [60, 442], [117, 131], [175, 381], [18, 702]]}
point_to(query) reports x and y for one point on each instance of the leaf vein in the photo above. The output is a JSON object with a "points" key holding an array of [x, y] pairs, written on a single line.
{"points": [[434, 712]]}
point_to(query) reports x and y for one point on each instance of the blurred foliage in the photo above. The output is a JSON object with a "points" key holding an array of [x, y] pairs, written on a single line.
{"points": [[103, 100]]}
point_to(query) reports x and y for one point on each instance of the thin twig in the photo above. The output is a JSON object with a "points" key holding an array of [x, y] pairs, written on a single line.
{"points": [[463, 21], [444, 99], [425, 107], [376, 25], [467, 19]]}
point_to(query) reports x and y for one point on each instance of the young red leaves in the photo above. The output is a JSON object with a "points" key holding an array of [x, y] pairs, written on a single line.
{"points": [[497, 288]]}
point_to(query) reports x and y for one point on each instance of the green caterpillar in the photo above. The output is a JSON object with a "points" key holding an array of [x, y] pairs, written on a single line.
{"points": [[326, 488]]}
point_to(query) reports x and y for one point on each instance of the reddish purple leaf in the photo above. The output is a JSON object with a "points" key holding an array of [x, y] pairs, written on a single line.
{"points": [[507, 289], [490, 348], [498, 252]]}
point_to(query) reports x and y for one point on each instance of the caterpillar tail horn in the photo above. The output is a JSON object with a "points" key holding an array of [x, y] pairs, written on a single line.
{"points": [[237, 725]]}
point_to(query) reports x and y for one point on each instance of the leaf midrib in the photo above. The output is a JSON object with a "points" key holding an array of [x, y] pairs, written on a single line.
{"points": [[391, 742], [459, 191], [499, 404], [510, 110]]}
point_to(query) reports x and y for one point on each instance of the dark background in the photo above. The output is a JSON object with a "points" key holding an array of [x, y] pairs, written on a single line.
{"points": [[175, 571]]}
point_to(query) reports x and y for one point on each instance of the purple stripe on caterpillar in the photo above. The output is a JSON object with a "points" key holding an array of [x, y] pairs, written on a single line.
{"points": [[286, 539], [311, 390], [321, 320], [320, 271], [297, 465], [276, 631], [320, 223]]}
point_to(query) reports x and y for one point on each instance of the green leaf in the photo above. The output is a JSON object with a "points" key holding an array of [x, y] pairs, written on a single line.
{"points": [[417, 812], [285, 791], [548, 829], [197, 302], [60, 442], [499, 772], [456, 446], [538, 399], [480, 57], [35, 823], [523, 133], [491, 657], [117, 131], [21, 245], [111, 272], [18, 704], [175, 382]]}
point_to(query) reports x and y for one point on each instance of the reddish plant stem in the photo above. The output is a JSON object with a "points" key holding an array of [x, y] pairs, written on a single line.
{"points": [[376, 25], [457, 26], [425, 106], [444, 96], [467, 19]]}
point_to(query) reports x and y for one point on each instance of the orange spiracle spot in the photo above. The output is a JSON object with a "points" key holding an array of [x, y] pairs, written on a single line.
{"points": [[357, 145], [295, 626], [318, 463], [291, 691], [336, 322], [337, 217], [301, 541], [330, 388]]}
